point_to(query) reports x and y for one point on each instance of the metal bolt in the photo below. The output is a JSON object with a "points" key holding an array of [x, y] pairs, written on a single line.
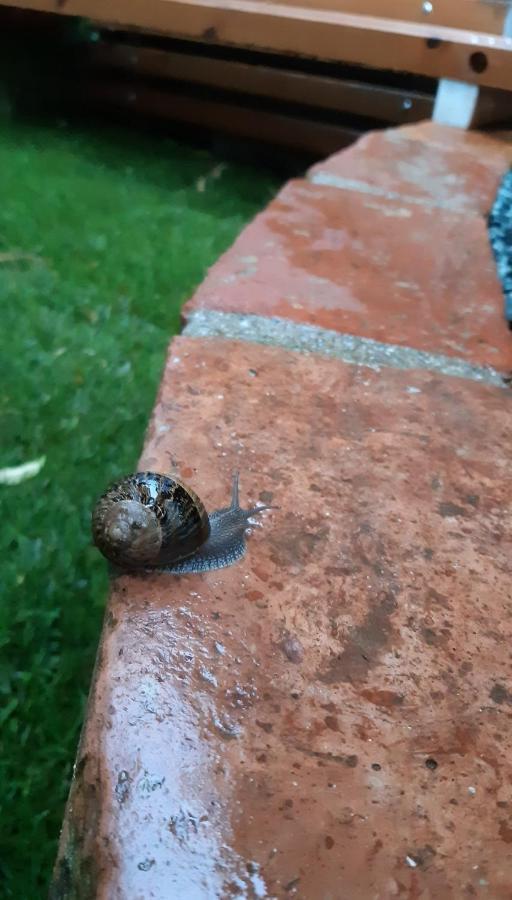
{"points": [[427, 7]]}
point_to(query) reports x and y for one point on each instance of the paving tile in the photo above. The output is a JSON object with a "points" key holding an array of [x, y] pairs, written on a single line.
{"points": [[425, 163], [332, 716], [389, 270]]}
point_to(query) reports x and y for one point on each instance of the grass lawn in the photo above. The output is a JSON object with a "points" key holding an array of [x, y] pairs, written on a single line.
{"points": [[102, 238]]}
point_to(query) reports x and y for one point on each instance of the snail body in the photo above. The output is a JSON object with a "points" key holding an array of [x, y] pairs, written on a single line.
{"points": [[149, 521]]}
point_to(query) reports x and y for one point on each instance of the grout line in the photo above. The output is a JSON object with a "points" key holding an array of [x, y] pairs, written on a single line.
{"points": [[357, 351], [362, 187]]}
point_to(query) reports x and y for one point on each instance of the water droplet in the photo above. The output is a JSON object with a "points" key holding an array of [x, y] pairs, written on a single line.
{"points": [[226, 727], [146, 865], [208, 676], [122, 788]]}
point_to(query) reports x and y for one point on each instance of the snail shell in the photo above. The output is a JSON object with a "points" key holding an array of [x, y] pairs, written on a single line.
{"points": [[147, 521]]}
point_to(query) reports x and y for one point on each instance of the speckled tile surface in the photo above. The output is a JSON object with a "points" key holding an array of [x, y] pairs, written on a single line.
{"points": [[331, 718]]}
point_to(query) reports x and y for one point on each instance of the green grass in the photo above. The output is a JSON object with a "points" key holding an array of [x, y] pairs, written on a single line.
{"points": [[117, 235]]}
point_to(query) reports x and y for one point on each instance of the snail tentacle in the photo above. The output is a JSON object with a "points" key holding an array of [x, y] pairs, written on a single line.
{"points": [[226, 543]]}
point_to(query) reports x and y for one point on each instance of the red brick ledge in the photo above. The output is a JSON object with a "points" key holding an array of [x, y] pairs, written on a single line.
{"points": [[330, 717]]}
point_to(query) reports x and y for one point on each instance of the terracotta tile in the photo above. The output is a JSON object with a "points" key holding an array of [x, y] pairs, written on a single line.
{"points": [[387, 270], [332, 716], [425, 163], [483, 145]]}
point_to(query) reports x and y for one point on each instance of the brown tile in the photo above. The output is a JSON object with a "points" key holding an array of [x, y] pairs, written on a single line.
{"points": [[426, 163], [332, 716], [382, 269]]}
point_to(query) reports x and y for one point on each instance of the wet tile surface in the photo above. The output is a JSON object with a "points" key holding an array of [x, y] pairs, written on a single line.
{"points": [[427, 163], [331, 718], [365, 265]]}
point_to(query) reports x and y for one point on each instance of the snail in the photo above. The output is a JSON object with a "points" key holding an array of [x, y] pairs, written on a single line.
{"points": [[148, 521]]}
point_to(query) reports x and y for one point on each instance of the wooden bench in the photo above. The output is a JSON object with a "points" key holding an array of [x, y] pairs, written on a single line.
{"points": [[312, 75]]}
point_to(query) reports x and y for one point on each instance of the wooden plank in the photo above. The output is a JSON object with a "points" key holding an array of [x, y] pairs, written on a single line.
{"points": [[351, 97], [492, 106], [464, 105], [296, 132], [435, 51], [472, 15]]}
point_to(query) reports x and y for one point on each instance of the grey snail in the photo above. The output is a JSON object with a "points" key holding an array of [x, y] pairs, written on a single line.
{"points": [[148, 521]]}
